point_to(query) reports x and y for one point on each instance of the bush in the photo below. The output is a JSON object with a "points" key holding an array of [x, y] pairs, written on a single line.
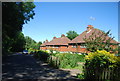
{"points": [[100, 59], [80, 76], [100, 64], [42, 55], [67, 59]]}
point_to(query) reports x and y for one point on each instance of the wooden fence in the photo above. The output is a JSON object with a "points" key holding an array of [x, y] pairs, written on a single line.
{"points": [[105, 74], [54, 61]]}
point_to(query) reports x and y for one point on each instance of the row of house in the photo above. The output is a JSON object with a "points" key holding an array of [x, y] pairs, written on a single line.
{"points": [[63, 44]]}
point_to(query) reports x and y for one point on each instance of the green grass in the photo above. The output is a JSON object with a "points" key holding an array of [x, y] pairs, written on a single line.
{"points": [[80, 67]]}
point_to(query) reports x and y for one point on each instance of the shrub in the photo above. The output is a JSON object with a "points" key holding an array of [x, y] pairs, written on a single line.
{"points": [[80, 76], [67, 59], [100, 63], [100, 59], [42, 55]]}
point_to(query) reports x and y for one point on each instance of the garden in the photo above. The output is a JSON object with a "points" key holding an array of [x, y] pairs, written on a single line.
{"points": [[102, 63], [95, 66]]}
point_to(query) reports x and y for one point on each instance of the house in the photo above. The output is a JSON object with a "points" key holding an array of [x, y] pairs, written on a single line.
{"points": [[63, 44], [58, 44], [43, 45], [77, 44]]}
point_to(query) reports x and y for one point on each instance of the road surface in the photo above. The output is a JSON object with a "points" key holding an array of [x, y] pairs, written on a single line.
{"points": [[19, 66]]}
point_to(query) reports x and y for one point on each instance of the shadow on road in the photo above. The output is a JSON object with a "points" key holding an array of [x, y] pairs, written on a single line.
{"points": [[26, 67]]}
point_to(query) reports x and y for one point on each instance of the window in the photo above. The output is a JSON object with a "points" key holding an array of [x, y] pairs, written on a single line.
{"points": [[82, 46], [74, 46]]}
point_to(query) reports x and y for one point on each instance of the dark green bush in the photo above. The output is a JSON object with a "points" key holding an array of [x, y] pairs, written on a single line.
{"points": [[80, 76]]}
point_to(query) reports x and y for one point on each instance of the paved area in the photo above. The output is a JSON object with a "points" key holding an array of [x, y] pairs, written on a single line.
{"points": [[20, 66]]}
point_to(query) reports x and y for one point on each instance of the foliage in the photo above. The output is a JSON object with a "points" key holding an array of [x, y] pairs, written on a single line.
{"points": [[99, 42], [71, 34], [19, 43], [19, 14], [100, 62], [100, 59], [32, 44], [42, 55], [67, 59], [80, 76]]}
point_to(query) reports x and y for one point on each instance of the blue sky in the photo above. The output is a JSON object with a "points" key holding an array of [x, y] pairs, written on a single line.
{"points": [[56, 18]]}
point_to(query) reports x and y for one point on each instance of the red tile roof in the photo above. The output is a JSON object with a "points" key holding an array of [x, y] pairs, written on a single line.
{"points": [[44, 44], [79, 39], [63, 40]]}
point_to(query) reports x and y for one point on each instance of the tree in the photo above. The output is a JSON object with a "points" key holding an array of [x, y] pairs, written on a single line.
{"points": [[14, 15], [19, 43], [30, 43], [71, 34], [99, 41], [38, 45]]}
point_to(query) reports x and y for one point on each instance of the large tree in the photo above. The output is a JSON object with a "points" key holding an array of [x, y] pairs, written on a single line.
{"points": [[30, 43], [18, 43], [14, 15], [72, 34]]}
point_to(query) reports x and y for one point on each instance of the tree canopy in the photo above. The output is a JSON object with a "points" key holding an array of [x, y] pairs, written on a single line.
{"points": [[72, 34], [32, 44], [14, 15]]}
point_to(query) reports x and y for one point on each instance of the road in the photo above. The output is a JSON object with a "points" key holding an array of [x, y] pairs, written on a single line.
{"points": [[19, 66]]}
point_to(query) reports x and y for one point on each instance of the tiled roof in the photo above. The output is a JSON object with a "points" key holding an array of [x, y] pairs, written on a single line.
{"points": [[44, 44], [79, 39], [63, 40]]}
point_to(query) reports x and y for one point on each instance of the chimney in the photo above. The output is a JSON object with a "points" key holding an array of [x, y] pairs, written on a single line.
{"points": [[62, 35], [46, 40], [89, 27], [54, 37], [43, 41]]}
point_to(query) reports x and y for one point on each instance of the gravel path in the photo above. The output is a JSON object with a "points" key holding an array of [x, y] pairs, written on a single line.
{"points": [[20, 66]]}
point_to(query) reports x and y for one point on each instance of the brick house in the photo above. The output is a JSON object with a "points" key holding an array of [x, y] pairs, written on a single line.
{"points": [[77, 44], [64, 44], [58, 44], [43, 45]]}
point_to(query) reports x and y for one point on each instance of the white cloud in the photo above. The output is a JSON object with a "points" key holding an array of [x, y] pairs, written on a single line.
{"points": [[92, 18]]}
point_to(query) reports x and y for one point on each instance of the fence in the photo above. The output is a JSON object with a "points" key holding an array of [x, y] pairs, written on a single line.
{"points": [[54, 61], [105, 74]]}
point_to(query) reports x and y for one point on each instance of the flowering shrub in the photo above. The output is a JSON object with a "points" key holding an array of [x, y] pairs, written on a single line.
{"points": [[100, 64], [100, 59]]}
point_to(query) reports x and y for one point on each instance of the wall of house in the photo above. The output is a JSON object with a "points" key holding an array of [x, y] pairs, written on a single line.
{"points": [[60, 48], [78, 48], [43, 48], [69, 48]]}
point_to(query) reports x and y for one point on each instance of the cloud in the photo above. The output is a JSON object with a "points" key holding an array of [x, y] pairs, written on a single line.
{"points": [[92, 18]]}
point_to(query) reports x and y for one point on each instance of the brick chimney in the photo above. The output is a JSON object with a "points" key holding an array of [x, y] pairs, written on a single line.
{"points": [[46, 40], [89, 28], [62, 35], [54, 37]]}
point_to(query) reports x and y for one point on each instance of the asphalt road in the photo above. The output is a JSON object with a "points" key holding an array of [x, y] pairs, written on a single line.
{"points": [[19, 66]]}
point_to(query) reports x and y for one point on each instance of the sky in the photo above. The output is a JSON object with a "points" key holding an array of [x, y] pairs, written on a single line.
{"points": [[56, 18]]}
